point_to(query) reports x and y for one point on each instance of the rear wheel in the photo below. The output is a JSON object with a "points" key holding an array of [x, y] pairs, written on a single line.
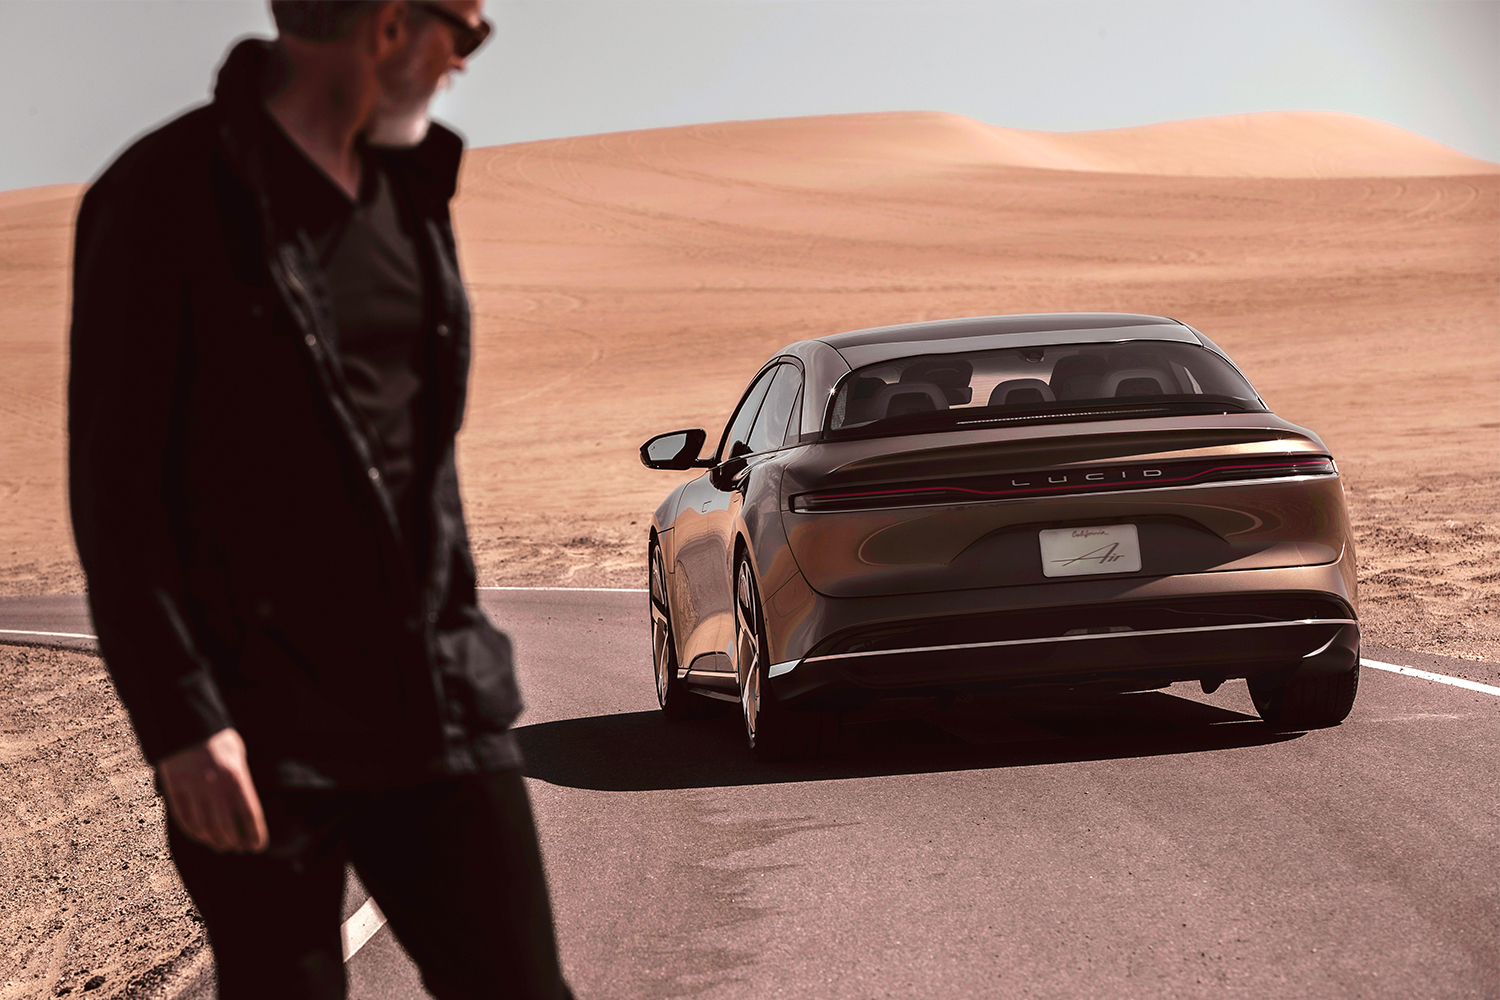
{"points": [[1310, 702], [671, 693], [774, 731]]}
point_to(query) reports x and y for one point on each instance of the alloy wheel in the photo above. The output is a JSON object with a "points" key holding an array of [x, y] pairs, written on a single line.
{"points": [[661, 632], [747, 649]]}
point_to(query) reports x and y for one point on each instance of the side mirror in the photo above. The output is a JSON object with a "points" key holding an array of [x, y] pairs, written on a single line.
{"points": [[676, 450]]}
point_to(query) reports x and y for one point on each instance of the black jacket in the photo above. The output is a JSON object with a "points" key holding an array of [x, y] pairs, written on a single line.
{"points": [[245, 563]]}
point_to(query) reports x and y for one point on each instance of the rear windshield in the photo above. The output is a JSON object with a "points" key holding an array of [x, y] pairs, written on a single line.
{"points": [[1053, 384]]}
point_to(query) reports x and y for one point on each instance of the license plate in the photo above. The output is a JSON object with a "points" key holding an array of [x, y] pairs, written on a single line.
{"points": [[1111, 548]]}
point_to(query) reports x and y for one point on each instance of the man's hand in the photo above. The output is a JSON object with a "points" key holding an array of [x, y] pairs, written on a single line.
{"points": [[211, 796]]}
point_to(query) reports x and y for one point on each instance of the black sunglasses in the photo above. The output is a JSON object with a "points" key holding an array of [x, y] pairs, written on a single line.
{"points": [[466, 37]]}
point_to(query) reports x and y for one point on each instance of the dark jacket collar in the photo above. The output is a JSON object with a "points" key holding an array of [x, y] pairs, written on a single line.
{"points": [[432, 165]]}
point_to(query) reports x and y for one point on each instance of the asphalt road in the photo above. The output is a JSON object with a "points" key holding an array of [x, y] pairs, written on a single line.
{"points": [[1163, 844]]}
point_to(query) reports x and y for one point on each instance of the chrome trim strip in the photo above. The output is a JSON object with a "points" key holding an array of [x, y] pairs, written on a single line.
{"points": [[1081, 493], [1321, 649], [1079, 638]]}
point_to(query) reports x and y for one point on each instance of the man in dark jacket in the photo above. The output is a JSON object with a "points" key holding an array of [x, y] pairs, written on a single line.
{"points": [[270, 347]]}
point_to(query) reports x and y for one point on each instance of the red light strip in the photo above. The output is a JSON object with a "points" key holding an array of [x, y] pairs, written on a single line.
{"points": [[1034, 490]]}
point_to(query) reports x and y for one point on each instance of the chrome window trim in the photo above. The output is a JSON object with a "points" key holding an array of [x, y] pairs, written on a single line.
{"points": [[1070, 496], [1074, 638]]}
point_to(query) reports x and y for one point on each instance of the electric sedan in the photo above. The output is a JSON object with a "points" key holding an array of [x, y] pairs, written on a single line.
{"points": [[999, 503]]}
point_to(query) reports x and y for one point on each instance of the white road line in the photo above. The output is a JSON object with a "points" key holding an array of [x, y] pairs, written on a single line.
{"points": [[361, 927], [1428, 675], [578, 590], [1395, 668], [55, 635]]}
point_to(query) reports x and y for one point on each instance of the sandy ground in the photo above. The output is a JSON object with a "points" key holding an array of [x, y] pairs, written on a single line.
{"points": [[629, 284], [88, 893]]}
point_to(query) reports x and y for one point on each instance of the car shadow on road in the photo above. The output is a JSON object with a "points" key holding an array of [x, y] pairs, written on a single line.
{"points": [[639, 751]]}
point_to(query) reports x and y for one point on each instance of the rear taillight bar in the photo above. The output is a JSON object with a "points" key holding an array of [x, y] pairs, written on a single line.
{"points": [[1055, 482]]}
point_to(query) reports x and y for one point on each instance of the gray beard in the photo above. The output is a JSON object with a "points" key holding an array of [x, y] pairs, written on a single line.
{"points": [[403, 121], [401, 127]]}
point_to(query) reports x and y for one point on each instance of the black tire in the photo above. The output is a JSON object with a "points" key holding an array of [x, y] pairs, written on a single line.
{"points": [[774, 731], [676, 701], [1311, 702]]}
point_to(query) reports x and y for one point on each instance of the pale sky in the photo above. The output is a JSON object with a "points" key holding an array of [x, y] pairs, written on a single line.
{"points": [[80, 78]]}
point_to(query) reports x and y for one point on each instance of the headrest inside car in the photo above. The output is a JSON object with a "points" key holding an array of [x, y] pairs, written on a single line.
{"points": [[1135, 382], [1020, 391], [909, 397], [951, 376], [1077, 376]]}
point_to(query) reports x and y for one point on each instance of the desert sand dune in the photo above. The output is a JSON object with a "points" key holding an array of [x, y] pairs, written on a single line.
{"points": [[1291, 144], [631, 283]]}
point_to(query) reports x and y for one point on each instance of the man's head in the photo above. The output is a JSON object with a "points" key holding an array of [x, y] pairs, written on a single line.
{"points": [[399, 51]]}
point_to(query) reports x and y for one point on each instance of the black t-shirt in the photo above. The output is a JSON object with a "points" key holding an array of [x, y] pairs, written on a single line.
{"points": [[374, 279]]}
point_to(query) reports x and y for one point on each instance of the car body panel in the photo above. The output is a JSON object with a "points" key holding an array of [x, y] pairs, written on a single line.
{"points": [[897, 339], [859, 355], [1193, 528], [665, 514], [698, 553]]}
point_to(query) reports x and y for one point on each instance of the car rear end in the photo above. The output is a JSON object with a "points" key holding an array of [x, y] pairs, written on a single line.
{"points": [[1158, 533]]}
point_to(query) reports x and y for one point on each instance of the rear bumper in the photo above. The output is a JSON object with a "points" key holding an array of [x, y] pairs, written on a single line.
{"points": [[1124, 661], [1137, 634]]}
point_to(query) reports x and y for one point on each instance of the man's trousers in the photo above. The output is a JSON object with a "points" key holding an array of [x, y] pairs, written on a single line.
{"points": [[454, 865]]}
